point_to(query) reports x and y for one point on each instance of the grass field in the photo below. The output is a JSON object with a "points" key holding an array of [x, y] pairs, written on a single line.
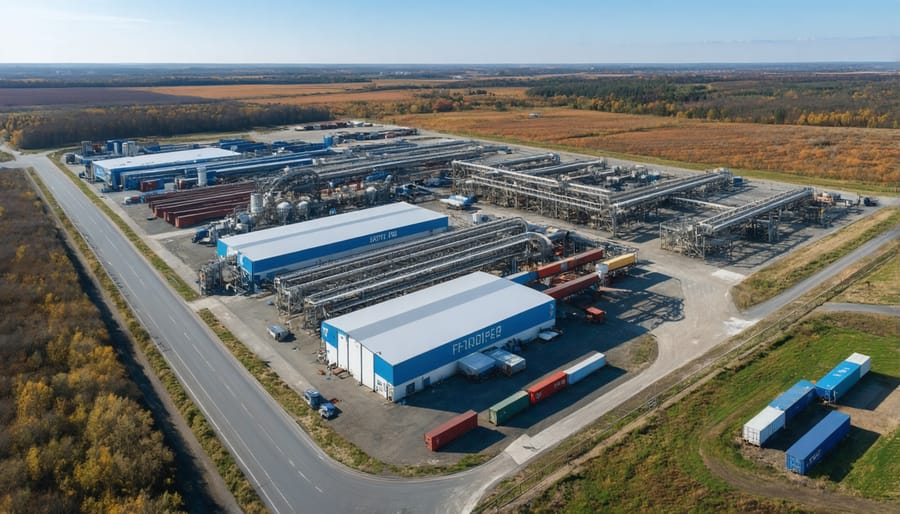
{"points": [[6, 156], [796, 266], [882, 286], [659, 468], [843, 155]]}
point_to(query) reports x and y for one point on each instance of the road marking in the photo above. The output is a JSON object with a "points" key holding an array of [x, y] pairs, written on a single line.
{"points": [[321, 491]]}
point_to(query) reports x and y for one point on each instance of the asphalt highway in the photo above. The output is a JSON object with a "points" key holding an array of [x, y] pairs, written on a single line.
{"points": [[285, 466]]}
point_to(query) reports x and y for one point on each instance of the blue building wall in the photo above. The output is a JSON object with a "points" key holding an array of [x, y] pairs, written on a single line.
{"points": [[470, 343], [262, 268]]}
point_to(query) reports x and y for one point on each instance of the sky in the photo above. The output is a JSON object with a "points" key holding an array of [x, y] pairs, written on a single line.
{"points": [[448, 31]]}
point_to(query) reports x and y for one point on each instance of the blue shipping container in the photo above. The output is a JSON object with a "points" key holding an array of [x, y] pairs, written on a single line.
{"points": [[815, 444], [795, 399], [838, 381]]}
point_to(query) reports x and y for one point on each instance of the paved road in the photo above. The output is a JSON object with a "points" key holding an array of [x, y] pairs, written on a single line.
{"points": [[291, 473], [766, 308], [888, 310]]}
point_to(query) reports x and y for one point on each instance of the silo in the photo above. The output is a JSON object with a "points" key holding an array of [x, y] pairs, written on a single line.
{"points": [[256, 204]]}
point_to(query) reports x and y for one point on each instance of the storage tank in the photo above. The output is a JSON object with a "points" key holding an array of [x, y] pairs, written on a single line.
{"points": [[201, 176], [303, 208], [132, 148], [256, 204], [371, 194], [117, 148], [284, 211], [817, 443], [763, 426]]}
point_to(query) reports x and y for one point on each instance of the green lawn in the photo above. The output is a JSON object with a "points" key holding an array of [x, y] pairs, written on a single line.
{"points": [[658, 468]]}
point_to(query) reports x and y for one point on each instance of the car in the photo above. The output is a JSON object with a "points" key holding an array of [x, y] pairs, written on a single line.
{"points": [[313, 398], [279, 333], [327, 410]]}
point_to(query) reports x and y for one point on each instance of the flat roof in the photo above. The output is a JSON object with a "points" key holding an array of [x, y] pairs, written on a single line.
{"points": [[166, 158], [297, 237], [404, 327]]}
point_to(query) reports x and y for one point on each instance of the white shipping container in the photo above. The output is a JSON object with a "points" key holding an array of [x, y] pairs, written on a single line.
{"points": [[763, 426], [584, 368], [864, 361]]}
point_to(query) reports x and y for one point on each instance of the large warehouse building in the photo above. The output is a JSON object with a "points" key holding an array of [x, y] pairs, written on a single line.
{"points": [[110, 170], [263, 254], [403, 345]]}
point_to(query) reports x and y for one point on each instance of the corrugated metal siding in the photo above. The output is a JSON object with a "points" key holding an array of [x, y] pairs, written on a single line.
{"points": [[329, 229], [838, 381], [311, 256], [795, 399], [423, 363]]}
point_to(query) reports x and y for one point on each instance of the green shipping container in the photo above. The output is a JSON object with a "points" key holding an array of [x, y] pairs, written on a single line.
{"points": [[500, 412]]}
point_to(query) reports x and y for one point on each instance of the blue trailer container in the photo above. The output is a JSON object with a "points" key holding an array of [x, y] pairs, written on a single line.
{"points": [[838, 381], [795, 399], [815, 444]]}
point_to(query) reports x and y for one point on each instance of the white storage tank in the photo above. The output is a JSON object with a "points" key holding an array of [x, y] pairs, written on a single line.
{"points": [[256, 204], [201, 176], [284, 211], [765, 424]]}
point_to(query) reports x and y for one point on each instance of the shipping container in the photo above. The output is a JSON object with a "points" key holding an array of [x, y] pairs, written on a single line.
{"points": [[500, 412], [547, 387], [815, 444], [571, 263], [476, 365], [459, 425], [795, 399], [838, 381], [864, 361], [585, 367], [763, 426], [508, 363]]}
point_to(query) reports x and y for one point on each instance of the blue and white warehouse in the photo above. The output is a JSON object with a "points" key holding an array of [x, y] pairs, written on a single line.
{"points": [[403, 345], [110, 170], [263, 254]]}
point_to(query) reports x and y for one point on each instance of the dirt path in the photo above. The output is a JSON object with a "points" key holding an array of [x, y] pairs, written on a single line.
{"points": [[818, 499]]}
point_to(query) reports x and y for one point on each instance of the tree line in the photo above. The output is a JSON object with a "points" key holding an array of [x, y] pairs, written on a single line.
{"points": [[46, 129], [842, 101], [73, 437]]}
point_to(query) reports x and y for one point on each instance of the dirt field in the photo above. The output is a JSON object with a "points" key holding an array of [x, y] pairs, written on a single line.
{"points": [[80, 96], [862, 155]]}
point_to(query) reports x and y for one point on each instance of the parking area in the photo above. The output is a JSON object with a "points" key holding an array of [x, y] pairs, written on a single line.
{"points": [[650, 297]]}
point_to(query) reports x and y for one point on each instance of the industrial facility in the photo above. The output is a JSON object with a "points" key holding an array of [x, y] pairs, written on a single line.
{"points": [[261, 255], [403, 345], [110, 171]]}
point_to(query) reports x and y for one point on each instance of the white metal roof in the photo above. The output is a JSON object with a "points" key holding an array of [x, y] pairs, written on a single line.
{"points": [[765, 418], [296, 237], [413, 324], [166, 158]]}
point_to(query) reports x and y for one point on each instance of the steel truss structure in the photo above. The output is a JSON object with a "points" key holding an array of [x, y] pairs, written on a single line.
{"points": [[565, 199], [717, 233]]}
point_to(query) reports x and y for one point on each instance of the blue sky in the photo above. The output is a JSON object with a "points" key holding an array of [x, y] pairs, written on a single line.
{"points": [[461, 31]]}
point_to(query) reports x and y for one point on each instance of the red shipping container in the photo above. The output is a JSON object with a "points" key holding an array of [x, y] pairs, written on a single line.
{"points": [[450, 430], [547, 387]]}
